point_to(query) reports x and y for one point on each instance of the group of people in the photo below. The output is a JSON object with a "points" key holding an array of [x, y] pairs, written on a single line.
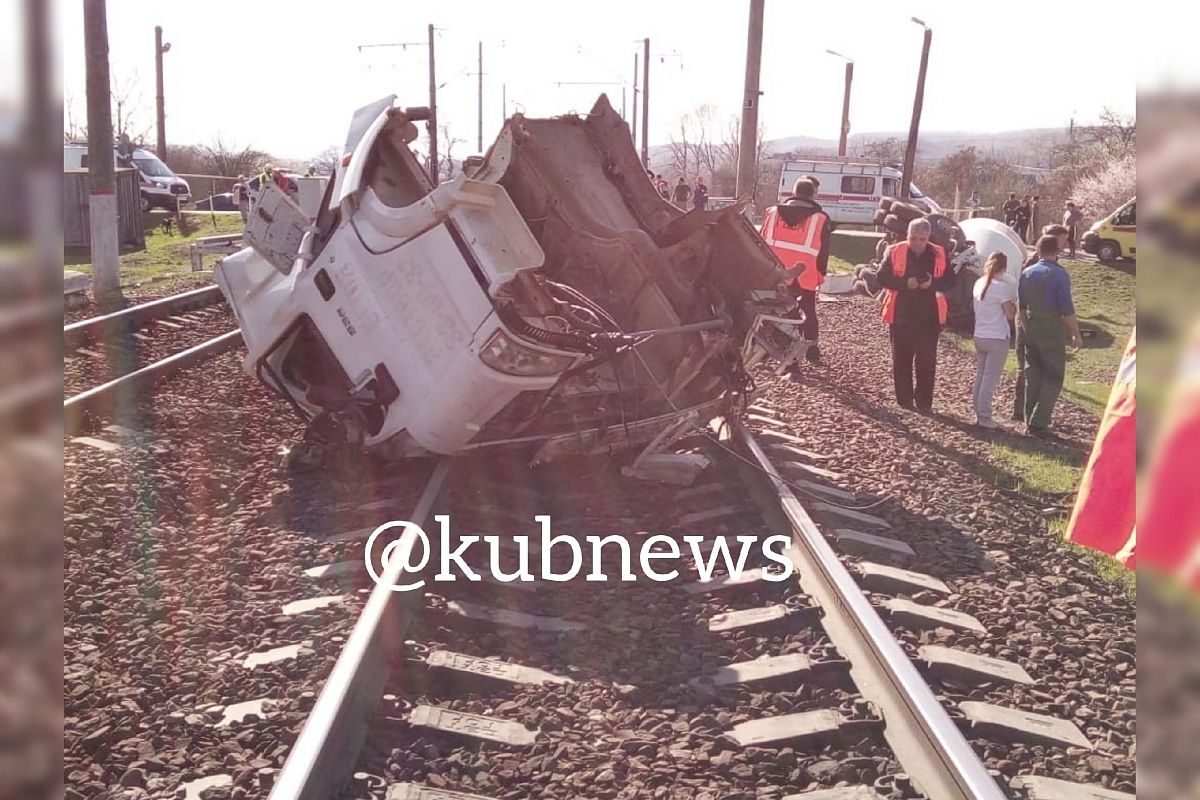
{"points": [[682, 195], [1043, 312], [1018, 214], [913, 278]]}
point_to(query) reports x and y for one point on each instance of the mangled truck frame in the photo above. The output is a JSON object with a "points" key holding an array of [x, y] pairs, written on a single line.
{"points": [[551, 299]]}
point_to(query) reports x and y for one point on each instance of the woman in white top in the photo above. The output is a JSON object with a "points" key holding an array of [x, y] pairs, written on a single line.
{"points": [[995, 305]]}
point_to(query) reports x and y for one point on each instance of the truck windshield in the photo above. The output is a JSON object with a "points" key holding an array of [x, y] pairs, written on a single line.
{"points": [[153, 167]]}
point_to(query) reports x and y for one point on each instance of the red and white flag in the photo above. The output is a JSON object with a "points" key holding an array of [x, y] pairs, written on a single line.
{"points": [[1104, 517], [1170, 509]]}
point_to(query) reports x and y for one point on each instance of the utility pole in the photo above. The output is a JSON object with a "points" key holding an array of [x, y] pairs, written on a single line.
{"points": [[747, 171], [432, 124], [846, 110], [159, 49], [634, 127], [481, 97], [646, 103], [910, 152], [845, 102], [102, 200]]}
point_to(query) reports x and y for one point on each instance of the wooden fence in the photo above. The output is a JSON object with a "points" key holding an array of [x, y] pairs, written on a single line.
{"points": [[77, 231]]}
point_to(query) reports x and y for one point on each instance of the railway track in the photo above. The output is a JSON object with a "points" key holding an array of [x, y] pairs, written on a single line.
{"points": [[855, 680], [110, 359]]}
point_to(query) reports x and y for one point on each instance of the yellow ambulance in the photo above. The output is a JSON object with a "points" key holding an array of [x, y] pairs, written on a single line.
{"points": [[1115, 236]]}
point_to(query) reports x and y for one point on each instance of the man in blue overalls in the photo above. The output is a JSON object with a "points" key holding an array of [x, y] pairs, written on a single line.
{"points": [[1047, 313]]}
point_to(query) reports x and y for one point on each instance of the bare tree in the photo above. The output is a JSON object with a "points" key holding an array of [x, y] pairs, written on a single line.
{"points": [[697, 149], [725, 175], [74, 127], [965, 169], [230, 160], [1115, 132], [883, 151], [327, 161], [186, 159], [728, 149], [679, 147], [705, 148], [445, 159], [128, 103]]}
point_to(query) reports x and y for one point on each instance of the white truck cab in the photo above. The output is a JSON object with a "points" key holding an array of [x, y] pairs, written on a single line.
{"points": [[849, 193], [501, 308], [160, 187]]}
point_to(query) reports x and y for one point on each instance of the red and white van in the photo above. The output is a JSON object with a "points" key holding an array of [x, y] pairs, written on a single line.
{"points": [[849, 193]]}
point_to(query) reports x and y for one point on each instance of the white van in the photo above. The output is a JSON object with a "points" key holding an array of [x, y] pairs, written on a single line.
{"points": [[850, 193], [159, 185]]}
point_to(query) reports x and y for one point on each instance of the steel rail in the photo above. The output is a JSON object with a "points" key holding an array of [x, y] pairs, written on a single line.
{"points": [[106, 395], [96, 329], [324, 756], [927, 743]]}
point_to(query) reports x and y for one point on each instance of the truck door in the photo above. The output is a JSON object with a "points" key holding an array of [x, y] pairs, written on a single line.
{"points": [[1124, 227]]}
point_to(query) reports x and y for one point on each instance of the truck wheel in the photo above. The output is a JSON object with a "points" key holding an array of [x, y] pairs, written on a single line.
{"points": [[146, 204], [945, 232], [1108, 250]]}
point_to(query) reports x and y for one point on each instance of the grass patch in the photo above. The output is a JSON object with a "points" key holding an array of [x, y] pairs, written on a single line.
{"points": [[1106, 304], [166, 255], [840, 265], [1107, 568], [1053, 473]]}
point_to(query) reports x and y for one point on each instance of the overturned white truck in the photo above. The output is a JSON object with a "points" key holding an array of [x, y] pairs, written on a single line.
{"points": [[550, 300]]}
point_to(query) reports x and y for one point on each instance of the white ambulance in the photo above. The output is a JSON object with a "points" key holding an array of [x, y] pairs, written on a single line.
{"points": [[849, 193], [159, 186]]}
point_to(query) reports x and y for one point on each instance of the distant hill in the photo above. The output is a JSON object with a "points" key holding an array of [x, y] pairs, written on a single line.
{"points": [[1017, 145], [1020, 146]]}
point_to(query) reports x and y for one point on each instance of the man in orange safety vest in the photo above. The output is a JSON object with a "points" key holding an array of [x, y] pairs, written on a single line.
{"points": [[915, 278], [798, 232]]}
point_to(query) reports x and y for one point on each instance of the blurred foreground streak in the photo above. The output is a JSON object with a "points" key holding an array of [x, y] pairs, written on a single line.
{"points": [[30, 385], [1103, 517], [1169, 446]]}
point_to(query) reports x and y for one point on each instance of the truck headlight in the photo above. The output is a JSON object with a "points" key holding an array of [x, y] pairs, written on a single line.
{"points": [[504, 354]]}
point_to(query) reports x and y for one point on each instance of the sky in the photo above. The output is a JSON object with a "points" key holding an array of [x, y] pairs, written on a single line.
{"points": [[284, 77]]}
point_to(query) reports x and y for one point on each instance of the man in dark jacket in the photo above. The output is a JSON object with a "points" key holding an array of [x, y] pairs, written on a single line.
{"points": [[915, 276], [700, 194], [1023, 218], [681, 194], [1010, 210], [1047, 315], [1059, 232]]}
